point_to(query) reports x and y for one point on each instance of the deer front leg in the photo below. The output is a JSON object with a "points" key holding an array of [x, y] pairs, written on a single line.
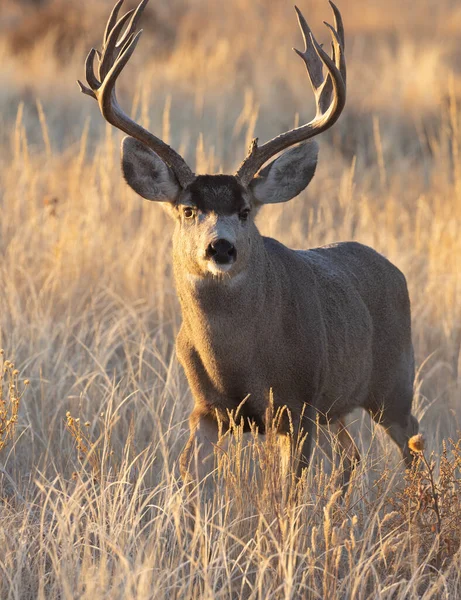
{"points": [[197, 462], [197, 458]]}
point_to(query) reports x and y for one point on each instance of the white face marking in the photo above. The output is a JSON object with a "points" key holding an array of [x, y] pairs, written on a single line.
{"points": [[220, 272], [216, 269]]}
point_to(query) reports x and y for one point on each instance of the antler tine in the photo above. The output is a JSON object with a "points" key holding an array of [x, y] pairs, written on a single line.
{"points": [[108, 86], [115, 55], [322, 87], [134, 22], [111, 21], [338, 59], [86, 90], [309, 56], [112, 45], [339, 30], [91, 78], [329, 92], [339, 27], [108, 55]]}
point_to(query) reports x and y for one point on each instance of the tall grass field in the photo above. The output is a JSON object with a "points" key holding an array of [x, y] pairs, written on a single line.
{"points": [[93, 403]]}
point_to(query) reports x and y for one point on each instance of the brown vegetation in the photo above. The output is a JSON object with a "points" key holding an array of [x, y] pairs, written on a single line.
{"points": [[88, 312]]}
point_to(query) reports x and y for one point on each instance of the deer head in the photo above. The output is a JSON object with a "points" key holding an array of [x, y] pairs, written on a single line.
{"points": [[215, 213]]}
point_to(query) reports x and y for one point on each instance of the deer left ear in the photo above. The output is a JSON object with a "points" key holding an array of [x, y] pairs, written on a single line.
{"points": [[286, 176]]}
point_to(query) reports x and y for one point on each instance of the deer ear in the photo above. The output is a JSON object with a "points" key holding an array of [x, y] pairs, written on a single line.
{"points": [[286, 176], [146, 173]]}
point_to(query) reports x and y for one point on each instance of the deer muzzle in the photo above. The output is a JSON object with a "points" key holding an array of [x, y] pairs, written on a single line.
{"points": [[222, 252]]}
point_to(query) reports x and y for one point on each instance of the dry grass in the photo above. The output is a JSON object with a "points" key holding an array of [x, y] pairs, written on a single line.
{"points": [[88, 310], [10, 397]]}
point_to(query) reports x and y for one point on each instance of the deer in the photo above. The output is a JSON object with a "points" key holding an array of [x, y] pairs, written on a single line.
{"points": [[325, 330]]}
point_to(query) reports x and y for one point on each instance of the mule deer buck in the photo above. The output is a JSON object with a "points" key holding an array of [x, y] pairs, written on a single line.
{"points": [[327, 329]]}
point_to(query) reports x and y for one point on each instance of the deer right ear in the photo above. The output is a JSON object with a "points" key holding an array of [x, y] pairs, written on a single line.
{"points": [[146, 173]]}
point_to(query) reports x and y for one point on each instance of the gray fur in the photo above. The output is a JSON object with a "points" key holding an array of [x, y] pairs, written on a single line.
{"points": [[146, 172], [327, 329], [286, 177]]}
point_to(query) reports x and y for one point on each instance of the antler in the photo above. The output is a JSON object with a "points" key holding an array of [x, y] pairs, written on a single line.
{"points": [[330, 95], [113, 58]]}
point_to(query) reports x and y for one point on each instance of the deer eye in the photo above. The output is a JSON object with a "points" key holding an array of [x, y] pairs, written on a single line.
{"points": [[189, 212], [243, 216]]}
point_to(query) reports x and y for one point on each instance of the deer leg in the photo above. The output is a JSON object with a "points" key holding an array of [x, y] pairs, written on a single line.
{"points": [[394, 414], [197, 458], [399, 423], [197, 462], [350, 450], [401, 432]]}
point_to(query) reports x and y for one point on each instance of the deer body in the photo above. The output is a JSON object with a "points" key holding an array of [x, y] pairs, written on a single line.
{"points": [[278, 327], [326, 329]]}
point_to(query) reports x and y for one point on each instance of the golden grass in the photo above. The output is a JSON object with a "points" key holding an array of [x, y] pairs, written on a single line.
{"points": [[88, 313], [10, 397]]}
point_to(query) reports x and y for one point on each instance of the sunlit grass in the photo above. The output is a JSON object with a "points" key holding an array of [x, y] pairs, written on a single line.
{"points": [[91, 503]]}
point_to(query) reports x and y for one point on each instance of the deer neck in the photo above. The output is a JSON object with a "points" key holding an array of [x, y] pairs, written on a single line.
{"points": [[212, 306]]}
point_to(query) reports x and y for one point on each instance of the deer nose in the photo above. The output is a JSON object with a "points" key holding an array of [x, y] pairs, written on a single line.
{"points": [[221, 251]]}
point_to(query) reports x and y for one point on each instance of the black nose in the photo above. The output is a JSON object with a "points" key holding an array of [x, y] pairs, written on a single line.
{"points": [[221, 251]]}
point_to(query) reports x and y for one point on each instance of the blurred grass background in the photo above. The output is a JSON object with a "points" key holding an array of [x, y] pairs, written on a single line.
{"points": [[88, 309]]}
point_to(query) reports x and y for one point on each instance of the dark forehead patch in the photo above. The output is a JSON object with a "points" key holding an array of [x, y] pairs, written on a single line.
{"points": [[218, 193]]}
